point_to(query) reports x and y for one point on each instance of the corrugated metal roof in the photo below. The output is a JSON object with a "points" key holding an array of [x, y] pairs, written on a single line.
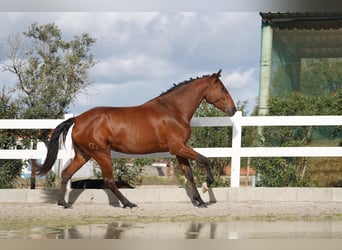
{"points": [[303, 20]]}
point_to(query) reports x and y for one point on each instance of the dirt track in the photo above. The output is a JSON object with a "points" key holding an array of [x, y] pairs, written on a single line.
{"points": [[15, 214]]}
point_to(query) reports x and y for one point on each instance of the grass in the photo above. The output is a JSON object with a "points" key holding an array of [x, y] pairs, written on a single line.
{"points": [[325, 172], [159, 180]]}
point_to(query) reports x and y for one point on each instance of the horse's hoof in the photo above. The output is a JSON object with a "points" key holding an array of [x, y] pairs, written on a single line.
{"points": [[204, 187], [63, 204], [202, 205], [130, 205]]}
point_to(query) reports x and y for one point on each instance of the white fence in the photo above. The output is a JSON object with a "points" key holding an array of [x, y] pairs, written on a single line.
{"points": [[235, 152]]}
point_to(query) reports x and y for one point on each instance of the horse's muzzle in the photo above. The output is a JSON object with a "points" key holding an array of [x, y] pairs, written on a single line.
{"points": [[231, 111]]}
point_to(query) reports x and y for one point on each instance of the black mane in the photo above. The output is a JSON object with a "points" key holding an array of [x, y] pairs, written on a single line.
{"points": [[176, 86]]}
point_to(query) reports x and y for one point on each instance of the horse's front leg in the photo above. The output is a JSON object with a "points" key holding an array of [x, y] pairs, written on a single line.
{"points": [[210, 178], [191, 154], [185, 166]]}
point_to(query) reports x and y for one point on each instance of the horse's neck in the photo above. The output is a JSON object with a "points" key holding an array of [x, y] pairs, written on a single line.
{"points": [[185, 100]]}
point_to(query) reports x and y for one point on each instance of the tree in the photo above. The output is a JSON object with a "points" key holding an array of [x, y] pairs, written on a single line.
{"points": [[50, 73], [292, 171], [9, 169]]}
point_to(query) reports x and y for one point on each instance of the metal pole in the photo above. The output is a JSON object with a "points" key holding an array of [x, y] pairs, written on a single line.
{"points": [[265, 68]]}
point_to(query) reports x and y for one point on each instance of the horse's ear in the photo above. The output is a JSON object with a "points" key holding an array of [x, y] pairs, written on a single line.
{"points": [[219, 73]]}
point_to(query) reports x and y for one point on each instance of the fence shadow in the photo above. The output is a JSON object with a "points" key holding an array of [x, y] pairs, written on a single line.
{"points": [[50, 196], [78, 187]]}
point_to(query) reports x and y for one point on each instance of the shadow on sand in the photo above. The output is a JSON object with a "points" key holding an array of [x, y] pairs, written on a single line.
{"points": [[78, 187]]}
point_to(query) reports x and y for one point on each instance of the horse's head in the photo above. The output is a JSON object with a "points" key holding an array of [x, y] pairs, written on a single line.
{"points": [[218, 95]]}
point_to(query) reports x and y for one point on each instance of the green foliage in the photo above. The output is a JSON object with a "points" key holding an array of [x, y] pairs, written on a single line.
{"points": [[50, 180], [210, 136], [9, 169], [293, 171], [300, 104], [276, 172], [129, 173], [279, 172], [124, 171], [9, 172], [50, 71], [217, 165]]}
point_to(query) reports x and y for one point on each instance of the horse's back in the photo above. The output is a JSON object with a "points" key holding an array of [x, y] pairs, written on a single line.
{"points": [[136, 129], [116, 115]]}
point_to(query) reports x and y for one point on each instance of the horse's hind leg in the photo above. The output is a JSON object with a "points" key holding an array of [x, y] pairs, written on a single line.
{"points": [[76, 163], [185, 166], [104, 160]]}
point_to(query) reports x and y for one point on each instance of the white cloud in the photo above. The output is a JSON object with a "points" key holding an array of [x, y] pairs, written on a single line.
{"points": [[238, 78], [107, 94], [7, 79], [106, 26], [142, 54], [243, 85], [130, 67]]}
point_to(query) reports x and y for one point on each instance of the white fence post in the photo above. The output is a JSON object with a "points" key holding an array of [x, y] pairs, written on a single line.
{"points": [[236, 149]]}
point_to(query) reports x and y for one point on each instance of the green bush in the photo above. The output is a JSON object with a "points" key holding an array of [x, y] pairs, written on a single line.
{"points": [[9, 172], [278, 172], [125, 172], [130, 174]]}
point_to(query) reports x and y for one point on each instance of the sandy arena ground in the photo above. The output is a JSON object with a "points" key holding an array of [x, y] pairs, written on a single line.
{"points": [[87, 213]]}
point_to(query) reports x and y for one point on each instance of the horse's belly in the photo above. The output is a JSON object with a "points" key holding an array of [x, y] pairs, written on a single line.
{"points": [[138, 145], [136, 149]]}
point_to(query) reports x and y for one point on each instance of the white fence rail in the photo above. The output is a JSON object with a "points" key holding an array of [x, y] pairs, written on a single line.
{"points": [[235, 152]]}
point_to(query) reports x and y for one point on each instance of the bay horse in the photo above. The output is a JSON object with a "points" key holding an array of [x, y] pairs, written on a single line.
{"points": [[162, 124]]}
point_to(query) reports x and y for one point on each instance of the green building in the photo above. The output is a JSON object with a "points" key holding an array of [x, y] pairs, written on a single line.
{"points": [[300, 52]]}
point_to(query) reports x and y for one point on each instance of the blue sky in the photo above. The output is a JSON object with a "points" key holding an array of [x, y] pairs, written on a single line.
{"points": [[141, 54]]}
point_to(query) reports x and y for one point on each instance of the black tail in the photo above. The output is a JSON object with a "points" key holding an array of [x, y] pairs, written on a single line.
{"points": [[54, 146]]}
